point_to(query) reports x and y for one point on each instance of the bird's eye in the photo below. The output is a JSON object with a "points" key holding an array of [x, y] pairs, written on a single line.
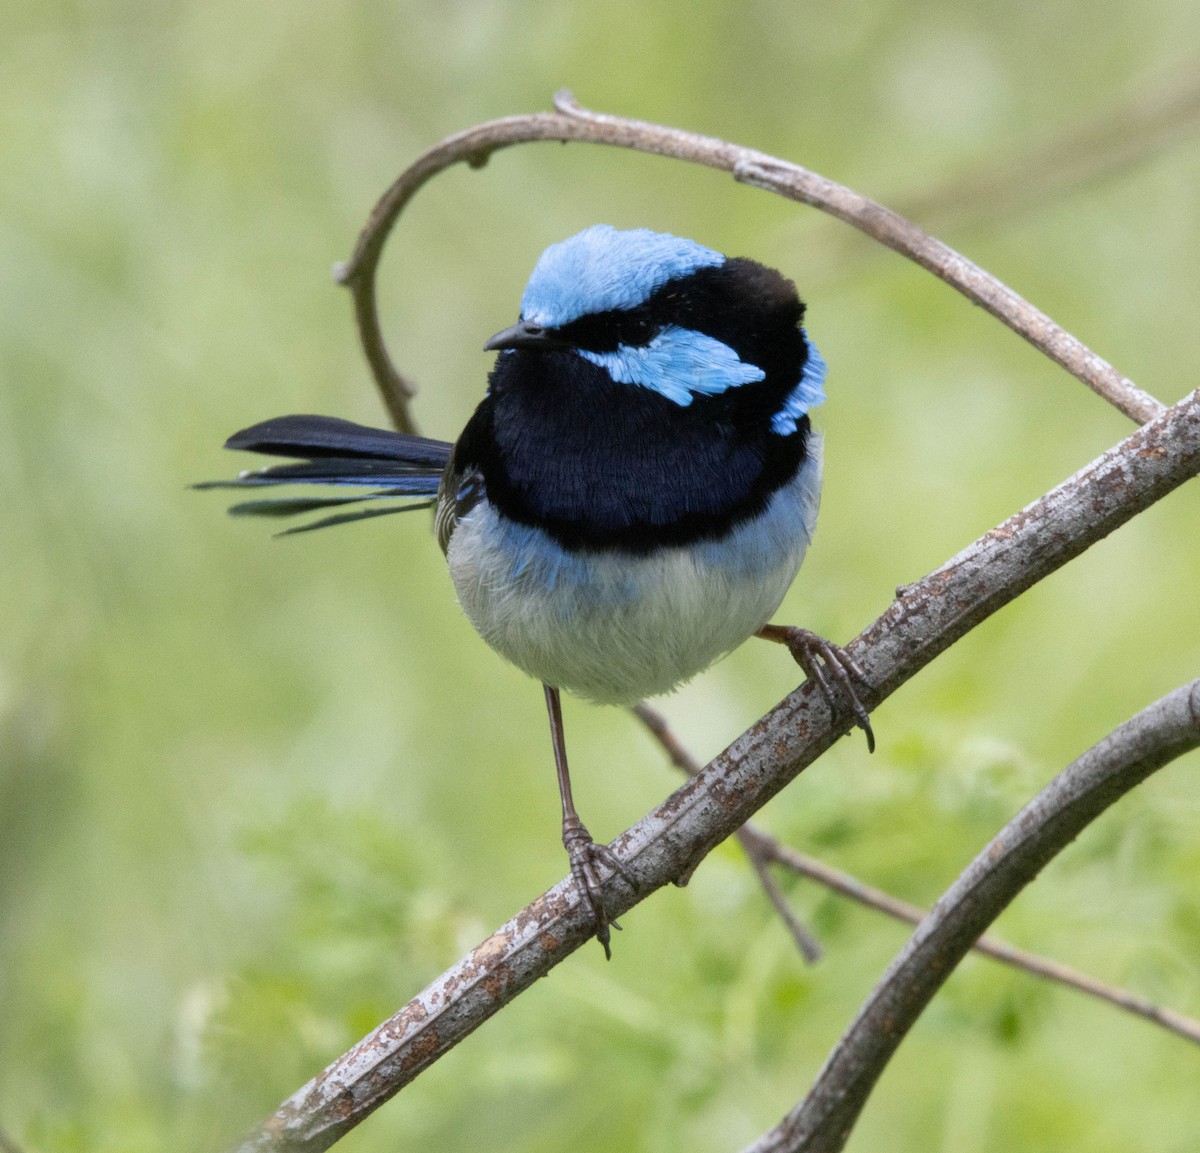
{"points": [[634, 329], [605, 331]]}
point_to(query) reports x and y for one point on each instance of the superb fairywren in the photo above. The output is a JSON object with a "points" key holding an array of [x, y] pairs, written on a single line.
{"points": [[634, 494]]}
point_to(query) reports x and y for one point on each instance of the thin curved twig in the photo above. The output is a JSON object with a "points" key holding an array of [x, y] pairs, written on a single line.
{"points": [[838, 881], [764, 849], [572, 122], [925, 619], [822, 1122]]}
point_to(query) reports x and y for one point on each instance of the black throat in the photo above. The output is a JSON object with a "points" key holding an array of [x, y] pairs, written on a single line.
{"points": [[603, 465]]}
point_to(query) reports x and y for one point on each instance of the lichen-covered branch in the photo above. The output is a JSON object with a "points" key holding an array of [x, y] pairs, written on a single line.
{"points": [[925, 619]]}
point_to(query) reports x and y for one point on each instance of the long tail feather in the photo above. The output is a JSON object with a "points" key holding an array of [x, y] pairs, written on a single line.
{"points": [[397, 466], [316, 436], [347, 517], [407, 480], [297, 506]]}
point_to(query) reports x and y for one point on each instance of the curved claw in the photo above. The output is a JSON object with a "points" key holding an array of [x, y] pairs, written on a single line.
{"points": [[586, 856], [821, 660]]}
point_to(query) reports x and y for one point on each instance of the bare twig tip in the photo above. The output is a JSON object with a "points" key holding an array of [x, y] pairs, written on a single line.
{"points": [[748, 172], [565, 102]]}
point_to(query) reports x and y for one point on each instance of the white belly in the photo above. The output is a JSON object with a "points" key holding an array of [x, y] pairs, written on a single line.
{"points": [[617, 627]]}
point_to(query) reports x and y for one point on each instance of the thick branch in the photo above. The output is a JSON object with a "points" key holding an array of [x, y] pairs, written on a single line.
{"points": [[573, 123], [757, 846], [1080, 793], [925, 619]]}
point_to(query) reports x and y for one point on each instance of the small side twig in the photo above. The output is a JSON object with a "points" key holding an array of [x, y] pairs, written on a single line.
{"points": [[572, 122], [822, 1122], [764, 849], [806, 942]]}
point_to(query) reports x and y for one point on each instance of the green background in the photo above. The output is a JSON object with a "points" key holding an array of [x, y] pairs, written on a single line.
{"points": [[254, 794]]}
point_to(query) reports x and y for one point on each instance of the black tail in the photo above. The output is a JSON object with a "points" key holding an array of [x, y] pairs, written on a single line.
{"points": [[329, 451]]}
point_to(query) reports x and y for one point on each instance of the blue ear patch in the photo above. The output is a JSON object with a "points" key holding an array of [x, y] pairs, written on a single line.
{"points": [[677, 363], [808, 393], [602, 268]]}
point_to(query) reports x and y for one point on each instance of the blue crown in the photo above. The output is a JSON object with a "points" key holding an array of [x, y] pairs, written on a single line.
{"points": [[603, 268]]}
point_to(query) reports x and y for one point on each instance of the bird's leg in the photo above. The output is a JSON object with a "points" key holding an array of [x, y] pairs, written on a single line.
{"points": [[585, 854], [822, 660]]}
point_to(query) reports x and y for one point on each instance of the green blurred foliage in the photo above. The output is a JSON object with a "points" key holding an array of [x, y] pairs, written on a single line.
{"points": [[255, 793]]}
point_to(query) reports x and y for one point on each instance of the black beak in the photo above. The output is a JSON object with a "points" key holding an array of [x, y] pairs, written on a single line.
{"points": [[524, 335]]}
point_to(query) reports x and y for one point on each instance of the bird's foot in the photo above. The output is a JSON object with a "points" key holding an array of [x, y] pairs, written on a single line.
{"points": [[586, 859], [830, 666]]}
